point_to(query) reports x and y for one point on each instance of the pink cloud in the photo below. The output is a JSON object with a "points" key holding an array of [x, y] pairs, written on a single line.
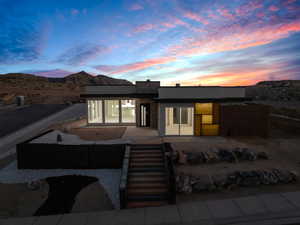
{"points": [[228, 79], [260, 14], [193, 16], [134, 66], [234, 38], [136, 7], [168, 25], [249, 7], [74, 12], [273, 8], [213, 15], [225, 13], [143, 28]]}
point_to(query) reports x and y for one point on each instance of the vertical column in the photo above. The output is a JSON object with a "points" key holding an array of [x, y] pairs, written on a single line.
{"points": [[103, 110], [120, 111]]}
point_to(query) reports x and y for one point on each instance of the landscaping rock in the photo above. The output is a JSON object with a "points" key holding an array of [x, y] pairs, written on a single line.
{"points": [[182, 157], [217, 155], [183, 184], [220, 181], [202, 183], [188, 183], [262, 155]]}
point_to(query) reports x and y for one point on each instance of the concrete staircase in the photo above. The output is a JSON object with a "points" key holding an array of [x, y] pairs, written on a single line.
{"points": [[147, 177]]}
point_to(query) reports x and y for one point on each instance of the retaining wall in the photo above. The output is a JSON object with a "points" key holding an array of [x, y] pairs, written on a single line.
{"points": [[59, 156]]}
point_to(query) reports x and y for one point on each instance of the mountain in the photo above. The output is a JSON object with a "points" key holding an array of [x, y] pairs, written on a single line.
{"points": [[81, 79], [38, 89], [279, 83]]}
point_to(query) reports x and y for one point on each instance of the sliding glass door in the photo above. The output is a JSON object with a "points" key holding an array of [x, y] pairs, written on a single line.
{"points": [[172, 121], [112, 114], [95, 111], [179, 121], [128, 111]]}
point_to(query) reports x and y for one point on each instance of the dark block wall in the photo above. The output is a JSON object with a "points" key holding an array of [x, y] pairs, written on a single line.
{"points": [[58, 156], [244, 120]]}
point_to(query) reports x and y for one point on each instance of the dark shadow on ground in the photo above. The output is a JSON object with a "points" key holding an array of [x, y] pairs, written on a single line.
{"points": [[62, 193]]}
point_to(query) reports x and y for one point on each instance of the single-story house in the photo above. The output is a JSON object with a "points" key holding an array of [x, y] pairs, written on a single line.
{"points": [[177, 110]]}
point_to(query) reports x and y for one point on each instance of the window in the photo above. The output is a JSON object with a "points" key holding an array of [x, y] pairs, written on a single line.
{"points": [[128, 111], [207, 117], [111, 111], [179, 121], [95, 111]]}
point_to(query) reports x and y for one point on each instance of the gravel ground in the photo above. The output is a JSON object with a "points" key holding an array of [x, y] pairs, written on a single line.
{"points": [[108, 178]]}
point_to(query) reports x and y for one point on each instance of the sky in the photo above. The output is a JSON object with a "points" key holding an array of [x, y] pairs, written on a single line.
{"points": [[192, 42]]}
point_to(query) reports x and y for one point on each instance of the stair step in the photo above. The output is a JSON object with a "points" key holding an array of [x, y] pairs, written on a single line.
{"points": [[143, 156], [143, 164], [147, 185], [149, 169], [157, 197], [155, 160], [146, 179], [146, 191], [143, 147], [146, 204], [146, 152], [146, 174]]}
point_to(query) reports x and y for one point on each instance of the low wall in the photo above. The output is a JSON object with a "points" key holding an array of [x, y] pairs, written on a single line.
{"points": [[244, 120], [70, 124], [59, 156]]}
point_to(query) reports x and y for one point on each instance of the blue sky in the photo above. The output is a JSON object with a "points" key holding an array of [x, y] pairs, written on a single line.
{"points": [[215, 42]]}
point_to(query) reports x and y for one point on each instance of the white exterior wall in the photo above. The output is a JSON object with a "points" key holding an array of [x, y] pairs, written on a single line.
{"points": [[162, 114], [201, 92]]}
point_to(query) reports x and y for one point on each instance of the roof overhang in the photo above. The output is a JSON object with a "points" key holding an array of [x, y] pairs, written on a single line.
{"points": [[133, 95], [194, 100]]}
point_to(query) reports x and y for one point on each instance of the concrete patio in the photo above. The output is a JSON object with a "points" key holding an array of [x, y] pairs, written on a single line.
{"points": [[281, 208]]}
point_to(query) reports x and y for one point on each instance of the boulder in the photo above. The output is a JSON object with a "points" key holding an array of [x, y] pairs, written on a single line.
{"points": [[202, 183], [182, 157]]}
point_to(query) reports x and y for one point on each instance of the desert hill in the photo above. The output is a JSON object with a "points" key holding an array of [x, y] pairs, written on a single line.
{"points": [[37, 89], [277, 90]]}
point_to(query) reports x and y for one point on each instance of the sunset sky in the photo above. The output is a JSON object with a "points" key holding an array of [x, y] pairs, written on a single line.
{"points": [[207, 42]]}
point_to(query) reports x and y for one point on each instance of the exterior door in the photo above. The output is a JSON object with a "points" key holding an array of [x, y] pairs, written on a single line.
{"points": [[145, 114]]}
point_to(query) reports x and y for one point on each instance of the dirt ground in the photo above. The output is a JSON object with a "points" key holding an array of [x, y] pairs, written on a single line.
{"points": [[96, 134], [283, 153], [17, 200]]}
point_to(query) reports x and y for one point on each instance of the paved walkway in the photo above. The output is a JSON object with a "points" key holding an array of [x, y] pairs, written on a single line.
{"points": [[275, 209], [141, 135], [8, 143]]}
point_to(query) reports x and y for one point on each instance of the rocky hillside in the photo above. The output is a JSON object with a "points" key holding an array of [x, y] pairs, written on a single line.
{"points": [[37, 89], [283, 90], [80, 79]]}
